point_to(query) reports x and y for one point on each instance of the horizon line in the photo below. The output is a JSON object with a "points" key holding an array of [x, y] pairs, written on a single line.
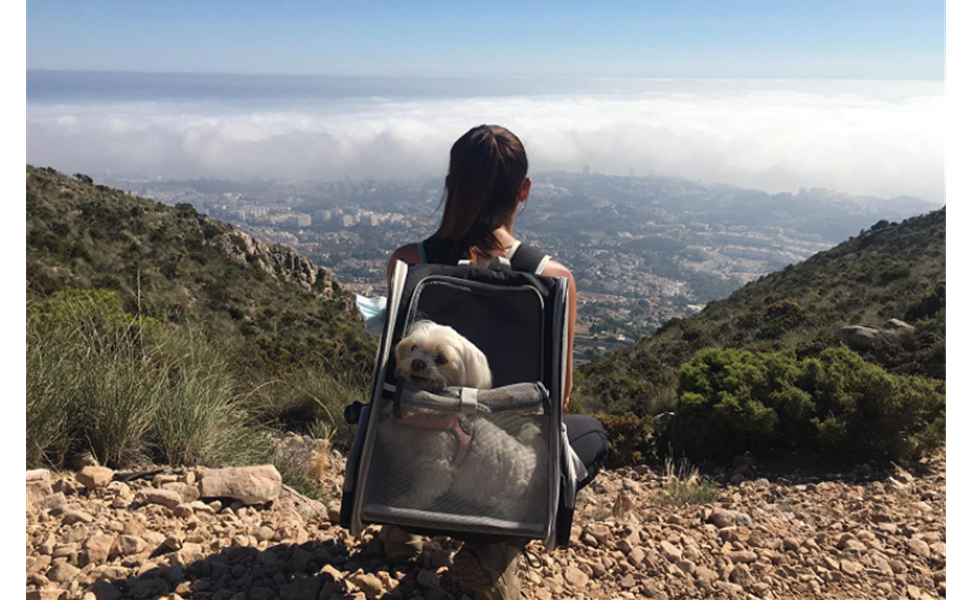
{"points": [[477, 77]]}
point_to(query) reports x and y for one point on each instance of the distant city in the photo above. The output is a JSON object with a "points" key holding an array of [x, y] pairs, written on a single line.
{"points": [[642, 249]]}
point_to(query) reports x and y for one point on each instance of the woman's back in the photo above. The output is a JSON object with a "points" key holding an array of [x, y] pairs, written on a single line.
{"points": [[486, 185]]}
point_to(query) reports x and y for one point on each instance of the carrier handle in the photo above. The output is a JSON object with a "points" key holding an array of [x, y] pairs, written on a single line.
{"points": [[528, 398]]}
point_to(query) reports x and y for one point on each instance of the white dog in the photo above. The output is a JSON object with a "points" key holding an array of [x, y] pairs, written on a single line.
{"points": [[471, 457]]}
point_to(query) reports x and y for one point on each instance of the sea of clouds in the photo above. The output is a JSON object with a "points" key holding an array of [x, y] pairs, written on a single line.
{"points": [[874, 138]]}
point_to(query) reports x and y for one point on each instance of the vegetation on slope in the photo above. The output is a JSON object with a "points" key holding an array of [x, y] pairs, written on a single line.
{"points": [[177, 266], [155, 333], [889, 271], [735, 401]]}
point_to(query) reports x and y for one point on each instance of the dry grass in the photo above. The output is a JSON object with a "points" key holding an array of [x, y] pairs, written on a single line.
{"points": [[684, 485]]}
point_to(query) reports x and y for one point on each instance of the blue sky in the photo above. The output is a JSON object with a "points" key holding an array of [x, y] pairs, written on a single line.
{"points": [[703, 39]]}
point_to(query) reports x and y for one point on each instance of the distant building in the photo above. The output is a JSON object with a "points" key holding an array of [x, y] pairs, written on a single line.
{"points": [[585, 169], [300, 220]]}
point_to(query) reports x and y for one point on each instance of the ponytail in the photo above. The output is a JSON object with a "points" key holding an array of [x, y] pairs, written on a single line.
{"points": [[487, 169]]}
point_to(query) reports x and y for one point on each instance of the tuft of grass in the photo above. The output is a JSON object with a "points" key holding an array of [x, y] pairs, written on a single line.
{"points": [[308, 400], [300, 476], [684, 485], [128, 389]]}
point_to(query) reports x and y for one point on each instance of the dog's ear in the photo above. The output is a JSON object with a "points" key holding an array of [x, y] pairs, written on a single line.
{"points": [[403, 350], [477, 373]]}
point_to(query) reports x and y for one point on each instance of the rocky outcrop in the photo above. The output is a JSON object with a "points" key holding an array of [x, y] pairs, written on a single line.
{"points": [[276, 260], [863, 339], [898, 325], [859, 337]]}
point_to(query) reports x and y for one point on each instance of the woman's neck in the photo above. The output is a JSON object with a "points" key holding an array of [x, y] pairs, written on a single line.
{"points": [[504, 236]]}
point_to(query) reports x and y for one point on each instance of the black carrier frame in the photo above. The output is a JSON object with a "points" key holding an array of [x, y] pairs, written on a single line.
{"points": [[519, 320]]}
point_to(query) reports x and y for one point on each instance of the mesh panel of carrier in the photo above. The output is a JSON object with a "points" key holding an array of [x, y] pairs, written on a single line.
{"points": [[502, 482]]}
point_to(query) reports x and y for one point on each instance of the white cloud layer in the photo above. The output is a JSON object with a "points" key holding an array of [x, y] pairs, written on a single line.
{"points": [[883, 140]]}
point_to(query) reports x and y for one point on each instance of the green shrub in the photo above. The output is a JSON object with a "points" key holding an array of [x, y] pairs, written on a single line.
{"points": [[930, 304], [780, 317], [734, 401], [628, 436]]}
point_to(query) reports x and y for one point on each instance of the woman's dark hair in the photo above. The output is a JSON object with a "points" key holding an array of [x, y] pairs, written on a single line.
{"points": [[485, 176]]}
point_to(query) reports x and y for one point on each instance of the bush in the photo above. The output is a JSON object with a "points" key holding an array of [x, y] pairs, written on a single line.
{"points": [[733, 401], [930, 304], [628, 436], [780, 317]]}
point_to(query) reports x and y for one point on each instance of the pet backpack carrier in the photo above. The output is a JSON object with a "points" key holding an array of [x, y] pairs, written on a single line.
{"points": [[518, 320]]}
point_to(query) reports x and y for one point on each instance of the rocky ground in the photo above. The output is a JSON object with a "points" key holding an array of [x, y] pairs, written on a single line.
{"points": [[241, 535]]}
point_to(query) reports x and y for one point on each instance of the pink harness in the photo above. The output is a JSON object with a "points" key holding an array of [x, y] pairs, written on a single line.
{"points": [[449, 422]]}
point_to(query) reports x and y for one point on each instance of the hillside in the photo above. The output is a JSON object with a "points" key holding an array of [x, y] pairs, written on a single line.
{"points": [[175, 265], [889, 271]]}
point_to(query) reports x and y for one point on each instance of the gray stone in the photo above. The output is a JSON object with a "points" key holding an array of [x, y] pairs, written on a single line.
{"points": [[155, 496], [93, 477], [898, 325], [62, 572], [38, 485], [671, 552], [249, 485], [369, 584], [722, 518], [858, 337], [427, 579]]}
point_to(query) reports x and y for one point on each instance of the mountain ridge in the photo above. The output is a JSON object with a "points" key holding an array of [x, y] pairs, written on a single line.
{"points": [[173, 263]]}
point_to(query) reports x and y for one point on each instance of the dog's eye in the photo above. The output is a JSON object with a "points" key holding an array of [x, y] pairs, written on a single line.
{"points": [[414, 348], [440, 360]]}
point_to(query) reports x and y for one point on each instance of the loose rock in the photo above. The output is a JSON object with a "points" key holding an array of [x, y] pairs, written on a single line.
{"points": [[249, 485], [94, 477]]}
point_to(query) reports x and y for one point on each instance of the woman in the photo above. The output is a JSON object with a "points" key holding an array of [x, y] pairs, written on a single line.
{"points": [[487, 182]]}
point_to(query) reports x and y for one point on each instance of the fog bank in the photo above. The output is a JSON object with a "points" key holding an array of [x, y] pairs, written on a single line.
{"points": [[881, 139]]}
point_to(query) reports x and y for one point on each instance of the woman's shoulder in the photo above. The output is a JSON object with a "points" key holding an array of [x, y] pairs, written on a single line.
{"points": [[409, 253], [555, 268]]}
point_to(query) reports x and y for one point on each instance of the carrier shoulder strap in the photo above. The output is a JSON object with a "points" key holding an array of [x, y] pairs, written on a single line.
{"points": [[527, 259]]}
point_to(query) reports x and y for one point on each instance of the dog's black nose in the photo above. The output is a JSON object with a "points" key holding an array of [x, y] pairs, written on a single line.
{"points": [[418, 365]]}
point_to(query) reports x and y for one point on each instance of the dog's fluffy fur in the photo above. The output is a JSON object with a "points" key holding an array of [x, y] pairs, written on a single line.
{"points": [[500, 466], [436, 356]]}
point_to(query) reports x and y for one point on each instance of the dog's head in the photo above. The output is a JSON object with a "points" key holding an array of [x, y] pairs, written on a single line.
{"points": [[436, 356]]}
